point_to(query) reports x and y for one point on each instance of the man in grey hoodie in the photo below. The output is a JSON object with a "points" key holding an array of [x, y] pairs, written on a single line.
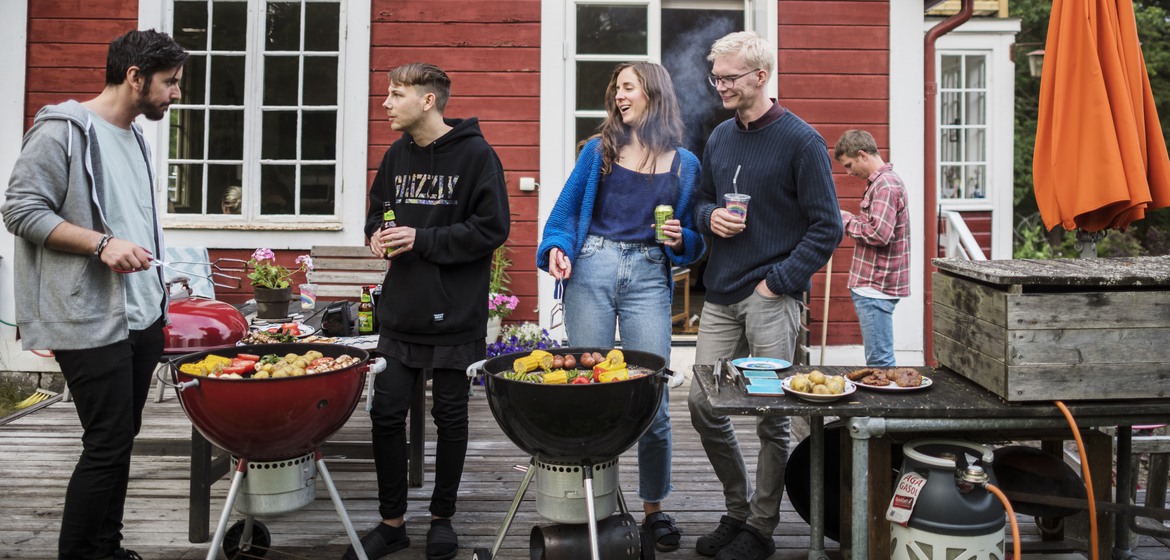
{"points": [[80, 202]]}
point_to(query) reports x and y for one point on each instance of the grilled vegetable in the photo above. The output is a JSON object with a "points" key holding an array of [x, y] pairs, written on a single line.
{"points": [[614, 375], [556, 377], [537, 359]]}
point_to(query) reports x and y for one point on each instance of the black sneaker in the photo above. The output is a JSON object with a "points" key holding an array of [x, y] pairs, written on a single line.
{"points": [[749, 544], [123, 554], [379, 542], [709, 544]]}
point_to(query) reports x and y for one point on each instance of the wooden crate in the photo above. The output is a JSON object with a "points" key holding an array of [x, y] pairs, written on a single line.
{"points": [[1068, 329]]}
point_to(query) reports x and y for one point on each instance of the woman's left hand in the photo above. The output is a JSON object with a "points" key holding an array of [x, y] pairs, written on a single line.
{"points": [[673, 230]]}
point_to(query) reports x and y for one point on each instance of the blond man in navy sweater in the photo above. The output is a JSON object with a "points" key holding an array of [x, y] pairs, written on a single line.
{"points": [[760, 266]]}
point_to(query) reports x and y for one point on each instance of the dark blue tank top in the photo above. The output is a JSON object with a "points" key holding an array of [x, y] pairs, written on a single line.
{"points": [[624, 207]]}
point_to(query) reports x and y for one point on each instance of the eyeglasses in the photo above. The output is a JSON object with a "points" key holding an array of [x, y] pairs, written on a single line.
{"points": [[727, 81]]}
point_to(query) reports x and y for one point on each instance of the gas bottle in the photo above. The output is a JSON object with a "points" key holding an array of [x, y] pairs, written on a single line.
{"points": [[953, 514]]}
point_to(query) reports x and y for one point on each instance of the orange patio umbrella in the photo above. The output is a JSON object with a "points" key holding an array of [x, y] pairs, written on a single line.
{"points": [[1100, 159]]}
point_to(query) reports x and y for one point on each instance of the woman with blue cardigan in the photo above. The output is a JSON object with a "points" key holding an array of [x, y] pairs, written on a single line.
{"points": [[600, 240]]}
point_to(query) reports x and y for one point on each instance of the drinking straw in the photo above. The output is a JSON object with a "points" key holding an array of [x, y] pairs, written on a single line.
{"points": [[733, 178]]}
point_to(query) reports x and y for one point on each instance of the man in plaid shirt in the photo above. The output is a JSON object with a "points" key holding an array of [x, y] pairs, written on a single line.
{"points": [[880, 273]]}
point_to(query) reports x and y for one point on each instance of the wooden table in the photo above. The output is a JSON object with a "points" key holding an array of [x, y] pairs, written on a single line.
{"points": [[951, 404]]}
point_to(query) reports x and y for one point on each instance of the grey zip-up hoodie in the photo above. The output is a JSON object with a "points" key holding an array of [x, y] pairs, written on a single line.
{"points": [[64, 301]]}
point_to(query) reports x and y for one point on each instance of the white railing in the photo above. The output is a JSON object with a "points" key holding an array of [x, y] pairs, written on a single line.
{"points": [[957, 239]]}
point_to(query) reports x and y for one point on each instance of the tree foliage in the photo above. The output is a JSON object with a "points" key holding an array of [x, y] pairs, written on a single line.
{"points": [[1154, 33]]}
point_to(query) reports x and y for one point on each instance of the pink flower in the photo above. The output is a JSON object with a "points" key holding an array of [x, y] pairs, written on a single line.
{"points": [[305, 261], [263, 254]]}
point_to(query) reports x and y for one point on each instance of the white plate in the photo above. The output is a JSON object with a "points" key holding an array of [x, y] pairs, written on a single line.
{"points": [[770, 364], [926, 382], [303, 329], [850, 388]]}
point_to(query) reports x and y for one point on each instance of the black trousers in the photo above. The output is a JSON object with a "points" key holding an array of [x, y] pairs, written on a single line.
{"points": [[393, 390], [109, 386]]}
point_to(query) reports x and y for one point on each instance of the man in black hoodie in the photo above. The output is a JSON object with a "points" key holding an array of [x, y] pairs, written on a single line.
{"points": [[446, 188]]}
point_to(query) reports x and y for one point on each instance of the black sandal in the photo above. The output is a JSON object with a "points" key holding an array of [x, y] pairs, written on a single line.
{"points": [[442, 542], [665, 533]]}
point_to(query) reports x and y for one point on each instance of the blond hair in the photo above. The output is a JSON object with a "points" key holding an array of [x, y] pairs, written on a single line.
{"points": [[755, 50]]}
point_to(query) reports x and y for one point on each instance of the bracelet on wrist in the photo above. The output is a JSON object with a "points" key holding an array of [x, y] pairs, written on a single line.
{"points": [[102, 245]]}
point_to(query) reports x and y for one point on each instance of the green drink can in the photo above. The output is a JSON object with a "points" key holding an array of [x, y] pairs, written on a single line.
{"points": [[662, 212]]}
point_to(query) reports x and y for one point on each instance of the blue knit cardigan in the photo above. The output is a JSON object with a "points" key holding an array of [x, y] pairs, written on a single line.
{"points": [[568, 223]]}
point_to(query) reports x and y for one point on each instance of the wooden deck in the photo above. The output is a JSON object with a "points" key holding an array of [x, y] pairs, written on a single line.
{"points": [[40, 449]]}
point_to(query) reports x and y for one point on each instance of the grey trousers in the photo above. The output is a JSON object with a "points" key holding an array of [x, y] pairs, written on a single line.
{"points": [[759, 327]]}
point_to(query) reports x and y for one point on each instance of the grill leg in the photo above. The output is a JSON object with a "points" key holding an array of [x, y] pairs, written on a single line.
{"points": [[591, 510], [237, 480], [340, 507], [515, 506]]}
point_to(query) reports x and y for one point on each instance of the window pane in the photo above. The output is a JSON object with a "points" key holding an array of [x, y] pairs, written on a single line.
{"points": [[227, 80], [320, 80], [219, 178], [227, 135], [186, 188], [976, 145], [280, 135], [230, 32], [284, 26], [975, 182], [191, 24], [976, 107], [950, 72], [976, 68], [186, 134], [317, 189], [318, 135], [592, 77], [950, 144], [194, 80], [277, 184], [322, 21], [952, 181], [950, 108], [611, 30], [280, 79], [586, 127]]}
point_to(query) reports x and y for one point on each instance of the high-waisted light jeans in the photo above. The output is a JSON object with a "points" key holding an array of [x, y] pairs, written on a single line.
{"points": [[627, 283]]}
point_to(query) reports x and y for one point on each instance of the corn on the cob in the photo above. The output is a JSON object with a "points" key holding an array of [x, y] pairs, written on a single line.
{"points": [[556, 377], [537, 359]]}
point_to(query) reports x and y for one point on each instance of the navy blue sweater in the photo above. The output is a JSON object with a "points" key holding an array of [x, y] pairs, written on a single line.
{"points": [[793, 220]]}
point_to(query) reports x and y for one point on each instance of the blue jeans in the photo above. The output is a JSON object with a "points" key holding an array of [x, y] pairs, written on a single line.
{"points": [[759, 326], [628, 283], [877, 329]]}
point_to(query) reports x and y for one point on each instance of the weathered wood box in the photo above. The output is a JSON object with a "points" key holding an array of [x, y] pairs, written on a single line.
{"points": [[1067, 329]]}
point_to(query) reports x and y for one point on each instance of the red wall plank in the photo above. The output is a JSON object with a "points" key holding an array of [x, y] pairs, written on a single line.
{"points": [[455, 35]]}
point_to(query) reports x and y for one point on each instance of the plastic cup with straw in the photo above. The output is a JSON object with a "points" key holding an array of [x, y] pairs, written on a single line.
{"points": [[736, 202]]}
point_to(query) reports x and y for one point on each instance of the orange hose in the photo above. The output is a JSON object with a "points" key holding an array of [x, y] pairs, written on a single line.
{"points": [[1088, 479], [1011, 517]]}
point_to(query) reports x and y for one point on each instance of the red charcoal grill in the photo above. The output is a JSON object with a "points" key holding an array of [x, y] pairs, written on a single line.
{"points": [[575, 434], [274, 428]]}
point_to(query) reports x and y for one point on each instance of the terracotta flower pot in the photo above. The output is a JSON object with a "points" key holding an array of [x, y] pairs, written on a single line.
{"points": [[272, 303]]}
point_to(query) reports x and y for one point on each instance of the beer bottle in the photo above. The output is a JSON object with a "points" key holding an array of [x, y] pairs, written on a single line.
{"points": [[388, 222], [365, 313]]}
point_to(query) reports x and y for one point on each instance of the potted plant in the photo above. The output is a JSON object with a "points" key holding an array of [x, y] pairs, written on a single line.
{"points": [[272, 284], [500, 302]]}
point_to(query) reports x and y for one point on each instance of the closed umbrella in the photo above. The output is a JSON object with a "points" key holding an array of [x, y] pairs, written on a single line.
{"points": [[1100, 159]]}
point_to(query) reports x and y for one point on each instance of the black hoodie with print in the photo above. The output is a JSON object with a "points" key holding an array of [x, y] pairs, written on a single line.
{"points": [[453, 193]]}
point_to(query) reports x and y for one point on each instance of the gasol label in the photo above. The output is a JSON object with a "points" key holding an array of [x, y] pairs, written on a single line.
{"points": [[905, 497], [662, 213]]}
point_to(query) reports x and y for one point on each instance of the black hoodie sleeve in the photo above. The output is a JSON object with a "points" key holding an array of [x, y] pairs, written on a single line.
{"points": [[486, 225]]}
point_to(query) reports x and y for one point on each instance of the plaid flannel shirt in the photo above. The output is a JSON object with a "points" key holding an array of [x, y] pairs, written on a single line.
{"points": [[881, 259]]}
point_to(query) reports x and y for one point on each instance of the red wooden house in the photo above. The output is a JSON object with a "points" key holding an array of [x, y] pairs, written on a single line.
{"points": [[283, 98]]}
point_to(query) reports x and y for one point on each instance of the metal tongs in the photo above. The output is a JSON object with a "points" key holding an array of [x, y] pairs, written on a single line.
{"points": [[218, 274], [727, 374]]}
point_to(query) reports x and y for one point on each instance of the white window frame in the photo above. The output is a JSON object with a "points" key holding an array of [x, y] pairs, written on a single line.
{"points": [[993, 37], [558, 112], [964, 125], [295, 232]]}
